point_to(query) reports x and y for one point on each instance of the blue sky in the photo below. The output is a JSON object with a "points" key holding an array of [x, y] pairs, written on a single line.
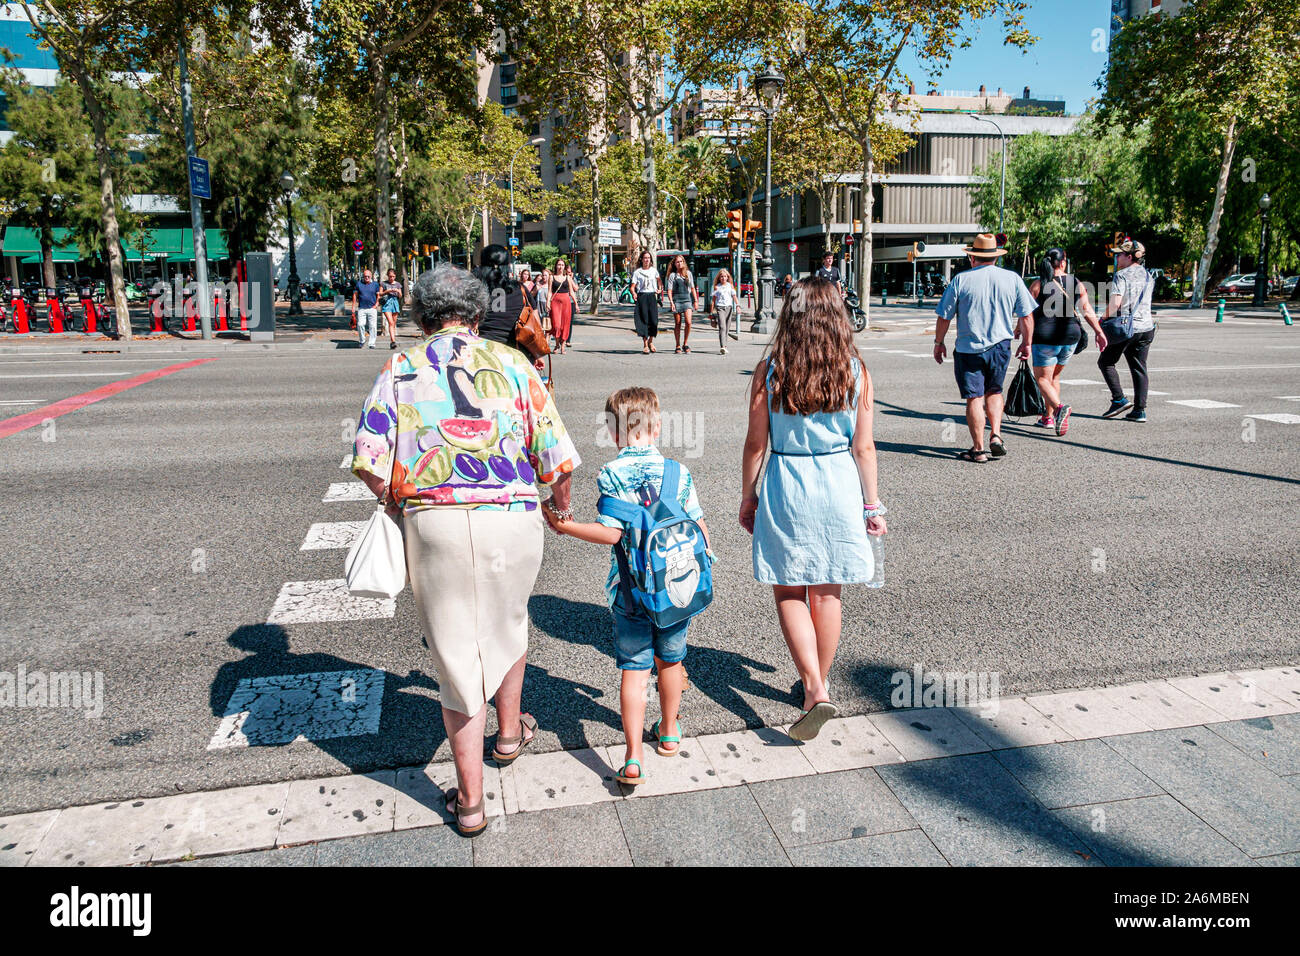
{"points": [[1062, 62]]}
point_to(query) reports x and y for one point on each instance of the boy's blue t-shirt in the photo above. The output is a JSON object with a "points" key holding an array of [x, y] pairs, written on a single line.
{"points": [[636, 476]]}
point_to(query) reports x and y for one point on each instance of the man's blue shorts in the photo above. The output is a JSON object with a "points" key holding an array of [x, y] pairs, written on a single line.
{"points": [[981, 373], [637, 642]]}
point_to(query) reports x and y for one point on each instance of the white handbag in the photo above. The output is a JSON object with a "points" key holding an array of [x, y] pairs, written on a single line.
{"points": [[376, 564]]}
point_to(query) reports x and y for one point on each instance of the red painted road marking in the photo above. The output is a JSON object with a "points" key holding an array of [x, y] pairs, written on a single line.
{"points": [[10, 426]]}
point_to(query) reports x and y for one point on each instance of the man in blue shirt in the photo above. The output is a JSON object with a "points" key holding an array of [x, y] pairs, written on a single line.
{"points": [[991, 306], [365, 303]]}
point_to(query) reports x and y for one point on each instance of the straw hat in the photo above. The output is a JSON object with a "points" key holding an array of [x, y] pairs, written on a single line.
{"points": [[985, 246], [1130, 246]]}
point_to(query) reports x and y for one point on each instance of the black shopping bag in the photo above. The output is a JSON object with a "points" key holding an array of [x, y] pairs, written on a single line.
{"points": [[1024, 400]]}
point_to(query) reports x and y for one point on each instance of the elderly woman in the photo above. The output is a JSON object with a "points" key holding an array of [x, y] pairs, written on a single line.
{"points": [[467, 432]]}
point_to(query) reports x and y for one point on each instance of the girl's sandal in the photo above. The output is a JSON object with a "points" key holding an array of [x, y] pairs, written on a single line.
{"points": [[622, 776], [663, 751], [810, 724], [503, 760], [458, 810]]}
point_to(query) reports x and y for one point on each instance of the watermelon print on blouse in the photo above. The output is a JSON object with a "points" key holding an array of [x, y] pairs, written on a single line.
{"points": [[471, 423]]}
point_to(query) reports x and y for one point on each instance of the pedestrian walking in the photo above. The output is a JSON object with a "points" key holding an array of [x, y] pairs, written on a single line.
{"points": [[506, 299], [724, 306], [365, 303], [685, 299], [991, 306], [1061, 300], [391, 305], [456, 434], [562, 292], [649, 289], [1130, 329], [830, 272], [528, 286], [638, 480], [811, 402], [544, 299]]}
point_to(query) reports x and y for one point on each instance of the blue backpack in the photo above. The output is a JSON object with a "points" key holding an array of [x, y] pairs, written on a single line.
{"points": [[665, 571]]}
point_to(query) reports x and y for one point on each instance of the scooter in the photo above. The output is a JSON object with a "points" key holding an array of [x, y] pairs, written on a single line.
{"points": [[856, 316]]}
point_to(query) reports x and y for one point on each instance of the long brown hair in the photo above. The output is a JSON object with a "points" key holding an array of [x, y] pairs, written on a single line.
{"points": [[811, 355], [676, 271]]}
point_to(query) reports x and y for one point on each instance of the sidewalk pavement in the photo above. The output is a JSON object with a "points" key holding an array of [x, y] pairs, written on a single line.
{"points": [[1190, 771]]}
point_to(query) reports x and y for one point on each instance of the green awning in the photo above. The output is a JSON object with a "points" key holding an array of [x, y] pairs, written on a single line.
{"points": [[60, 255], [26, 241], [174, 245]]}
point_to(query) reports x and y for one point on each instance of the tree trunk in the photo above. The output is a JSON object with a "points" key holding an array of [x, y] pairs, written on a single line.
{"points": [[107, 203], [597, 272], [650, 173], [868, 206], [399, 218], [1216, 211], [379, 97]]}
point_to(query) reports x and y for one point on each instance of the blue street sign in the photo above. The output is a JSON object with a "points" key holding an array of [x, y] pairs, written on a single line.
{"points": [[514, 240], [200, 183]]}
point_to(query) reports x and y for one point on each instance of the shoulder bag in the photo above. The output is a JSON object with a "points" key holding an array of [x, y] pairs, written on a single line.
{"points": [[529, 335], [375, 566]]}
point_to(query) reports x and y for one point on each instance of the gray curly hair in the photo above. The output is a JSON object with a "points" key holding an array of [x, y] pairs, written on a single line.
{"points": [[447, 294]]}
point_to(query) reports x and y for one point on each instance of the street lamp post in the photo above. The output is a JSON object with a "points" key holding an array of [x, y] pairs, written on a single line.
{"points": [[535, 141], [1002, 198], [692, 194], [769, 85], [1261, 262], [295, 296]]}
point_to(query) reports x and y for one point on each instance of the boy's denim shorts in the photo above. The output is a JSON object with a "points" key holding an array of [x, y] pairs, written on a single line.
{"points": [[637, 642]]}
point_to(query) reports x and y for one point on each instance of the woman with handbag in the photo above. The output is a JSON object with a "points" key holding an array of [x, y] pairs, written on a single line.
{"points": [[1057, 333], [562, 290], [456, 434], [1130, 329]]}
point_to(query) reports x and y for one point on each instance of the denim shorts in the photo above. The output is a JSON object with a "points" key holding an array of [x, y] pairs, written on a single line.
{"points": [[637, 642], [981, 373], [1045, 356]]}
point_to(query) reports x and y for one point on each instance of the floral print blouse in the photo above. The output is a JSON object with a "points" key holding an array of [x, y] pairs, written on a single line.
{"points": [[471, 423]]}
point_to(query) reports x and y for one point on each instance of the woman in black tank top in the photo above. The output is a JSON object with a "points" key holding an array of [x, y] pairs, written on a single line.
{"points": [[1061, 301]]}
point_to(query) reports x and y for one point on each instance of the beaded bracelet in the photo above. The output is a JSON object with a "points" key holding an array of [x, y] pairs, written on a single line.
{"points": [[874, 511], [563, 514]]}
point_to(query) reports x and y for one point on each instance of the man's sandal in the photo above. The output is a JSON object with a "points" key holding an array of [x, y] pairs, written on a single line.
{"points": [[996, 446], [458, 810], [622, 776], [977, 455], [663, 751], [522, 740]]}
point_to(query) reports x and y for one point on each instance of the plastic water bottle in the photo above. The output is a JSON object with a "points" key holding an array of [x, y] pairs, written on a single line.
{"points": [[877, 542]]}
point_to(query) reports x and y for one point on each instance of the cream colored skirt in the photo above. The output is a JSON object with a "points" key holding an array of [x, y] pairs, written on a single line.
{"points": [[472, 572]]}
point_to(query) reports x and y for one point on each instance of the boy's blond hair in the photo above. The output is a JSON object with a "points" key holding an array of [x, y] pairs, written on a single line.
{"points": [[631, 412]]}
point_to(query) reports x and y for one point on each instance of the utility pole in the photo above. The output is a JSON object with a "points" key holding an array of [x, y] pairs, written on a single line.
{"points": [[196, 210]]}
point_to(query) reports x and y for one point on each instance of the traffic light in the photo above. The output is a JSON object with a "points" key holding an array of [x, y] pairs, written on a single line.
{"points": [[751, 227], [514, 252], [915, 252], [735, 228]]}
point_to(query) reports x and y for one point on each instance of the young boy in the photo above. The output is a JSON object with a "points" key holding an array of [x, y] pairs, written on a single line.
{"points": [[635, 476]]}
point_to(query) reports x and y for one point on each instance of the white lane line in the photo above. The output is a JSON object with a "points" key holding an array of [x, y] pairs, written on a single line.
{"points": [[332, 534], [347, 460], [70, 375], [26, 402], [1290, 398], [1079, 381], [1282, 418], [1217, 368], [310, 602], [348, 491], [281, 709], [1202, 403]]}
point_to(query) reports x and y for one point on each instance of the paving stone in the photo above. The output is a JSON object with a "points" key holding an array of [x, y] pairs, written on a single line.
{"points": [[283, 708], [280, 856], [1247, 803], [1231, 696], [748, 756], [1075, 773], [1087, 713], [723, 827], [221, 821], [310, 602], [1282, 682], [331, 807], [830, 806], [688, 770], [429, 846], [926, 733], [103, 834], [421, 794], [20, 835], [1160, 705], [1013, 724], [905, 848], [564, 778], [847, 743], [1273, 741], [588, 835], [977, 814], [1150, 831]]}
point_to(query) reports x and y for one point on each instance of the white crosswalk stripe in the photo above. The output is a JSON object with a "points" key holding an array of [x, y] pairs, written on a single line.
{"points": [[1202, 403], [1282, 418], [348, 491], [310, 602], [332, 534]]}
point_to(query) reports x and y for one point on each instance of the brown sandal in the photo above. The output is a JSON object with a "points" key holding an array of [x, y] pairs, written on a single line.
{"points": [[458, 810], [525, 721]]}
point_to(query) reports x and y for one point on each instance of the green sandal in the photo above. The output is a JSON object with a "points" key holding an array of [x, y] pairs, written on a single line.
{"points": [[661, 750], [622, 776]]}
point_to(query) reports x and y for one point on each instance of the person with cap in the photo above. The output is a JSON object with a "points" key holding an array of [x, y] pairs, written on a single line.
{"points": [[1130, 329], [991, 306]]}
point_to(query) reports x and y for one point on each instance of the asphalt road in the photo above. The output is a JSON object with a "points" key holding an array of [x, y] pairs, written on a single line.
{"points": [[148, 535]]}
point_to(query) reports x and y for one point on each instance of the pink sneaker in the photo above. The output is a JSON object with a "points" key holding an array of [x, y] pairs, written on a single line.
{"points": [[1047, 421]]}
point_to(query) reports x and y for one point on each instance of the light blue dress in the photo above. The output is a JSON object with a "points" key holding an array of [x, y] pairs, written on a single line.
{"points": [[809, 528]]}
